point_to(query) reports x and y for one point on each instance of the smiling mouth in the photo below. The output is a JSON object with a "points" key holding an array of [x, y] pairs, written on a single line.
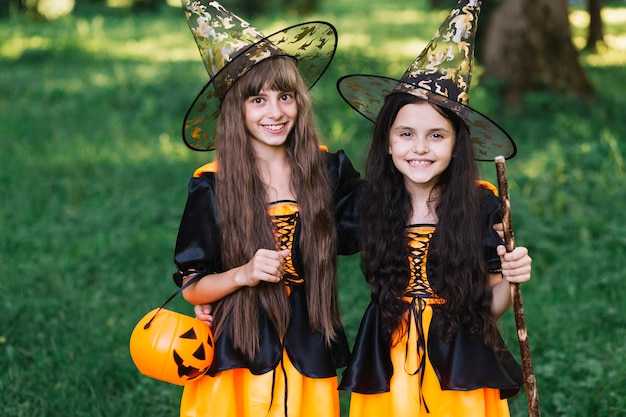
{"points": [[274, 128], [414, 163]]}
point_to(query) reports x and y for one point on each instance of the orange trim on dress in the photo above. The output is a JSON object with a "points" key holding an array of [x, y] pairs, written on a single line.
{"points": [[210, 167], [489, 186]]}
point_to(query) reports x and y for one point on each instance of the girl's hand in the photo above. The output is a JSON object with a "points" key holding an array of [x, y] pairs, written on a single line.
{"points": [[203, 313], [516, 265], [266, 265]]}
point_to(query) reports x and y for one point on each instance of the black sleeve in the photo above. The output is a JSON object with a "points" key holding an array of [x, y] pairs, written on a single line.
{"points": [[491, 239], [198, 241], [347, 188]]}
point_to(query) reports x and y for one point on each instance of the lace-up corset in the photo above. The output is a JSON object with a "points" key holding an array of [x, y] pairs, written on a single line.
{"points": [[284, 215], [419, 242]]}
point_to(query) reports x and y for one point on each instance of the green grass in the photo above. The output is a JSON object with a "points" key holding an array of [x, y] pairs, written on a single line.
{"points": [[93, 179]]}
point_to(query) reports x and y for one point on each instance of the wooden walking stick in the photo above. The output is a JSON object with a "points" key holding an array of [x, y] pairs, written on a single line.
{"points": [[518, 306]]}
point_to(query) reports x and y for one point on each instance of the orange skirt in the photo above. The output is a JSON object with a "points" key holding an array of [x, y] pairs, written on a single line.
{"points": [[411, 392], [239, 393]]}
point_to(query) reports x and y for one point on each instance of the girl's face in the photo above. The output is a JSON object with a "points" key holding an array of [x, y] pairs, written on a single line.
{"points": [[421, 143], [270, 116]]}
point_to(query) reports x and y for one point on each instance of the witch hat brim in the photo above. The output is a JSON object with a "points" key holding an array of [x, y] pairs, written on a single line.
{"points": [[366, 94], [441, 74], [311, 44]]}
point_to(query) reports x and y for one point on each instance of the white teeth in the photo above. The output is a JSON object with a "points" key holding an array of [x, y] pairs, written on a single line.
{"points": [[274, 127], [419, 163]]}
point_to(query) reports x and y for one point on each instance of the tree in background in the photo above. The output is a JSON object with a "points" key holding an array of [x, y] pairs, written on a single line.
{"points": [[6, 6], [595, 35], [528, 46]]}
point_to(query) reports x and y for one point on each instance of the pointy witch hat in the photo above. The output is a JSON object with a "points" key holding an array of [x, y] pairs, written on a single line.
{"points": [[441, 74], [230, 47]]}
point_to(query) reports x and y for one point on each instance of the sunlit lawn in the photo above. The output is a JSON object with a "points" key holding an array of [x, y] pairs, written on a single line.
{"points": [[93, 179]]}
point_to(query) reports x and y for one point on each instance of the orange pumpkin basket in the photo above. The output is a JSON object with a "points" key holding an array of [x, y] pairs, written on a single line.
{"points": [[171, 346]]}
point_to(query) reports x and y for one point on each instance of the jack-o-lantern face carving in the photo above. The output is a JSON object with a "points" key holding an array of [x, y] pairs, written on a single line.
{"points": [[200, 354], [171, 347]]}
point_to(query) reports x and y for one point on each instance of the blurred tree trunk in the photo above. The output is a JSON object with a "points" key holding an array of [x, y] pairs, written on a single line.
{"points": [[595, 35], [4, 9], [8, 6], [528, 45]]}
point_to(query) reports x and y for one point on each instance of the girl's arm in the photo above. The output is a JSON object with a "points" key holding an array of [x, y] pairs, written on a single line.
{"points": [[266, 265], [516, 268]]}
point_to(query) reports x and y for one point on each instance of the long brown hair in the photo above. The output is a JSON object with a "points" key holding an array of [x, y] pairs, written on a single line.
{"points": [[456, 267], [245, 224]]}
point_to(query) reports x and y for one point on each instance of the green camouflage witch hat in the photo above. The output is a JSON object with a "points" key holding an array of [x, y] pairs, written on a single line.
{"points": [[441, 74], [230, 47]]}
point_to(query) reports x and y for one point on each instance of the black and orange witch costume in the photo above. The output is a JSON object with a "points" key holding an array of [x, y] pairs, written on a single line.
{"points": [[294, 373], [421, 372], [302, 357]]}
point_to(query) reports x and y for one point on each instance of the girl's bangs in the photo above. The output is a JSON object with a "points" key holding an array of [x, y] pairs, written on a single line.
{"points": [[277, 73]]}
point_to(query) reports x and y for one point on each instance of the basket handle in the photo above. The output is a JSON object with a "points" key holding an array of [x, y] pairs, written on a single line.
{"points": [[196, 278]]}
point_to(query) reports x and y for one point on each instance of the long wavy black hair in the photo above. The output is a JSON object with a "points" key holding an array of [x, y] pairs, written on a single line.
{"points": [[456, 267]]}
